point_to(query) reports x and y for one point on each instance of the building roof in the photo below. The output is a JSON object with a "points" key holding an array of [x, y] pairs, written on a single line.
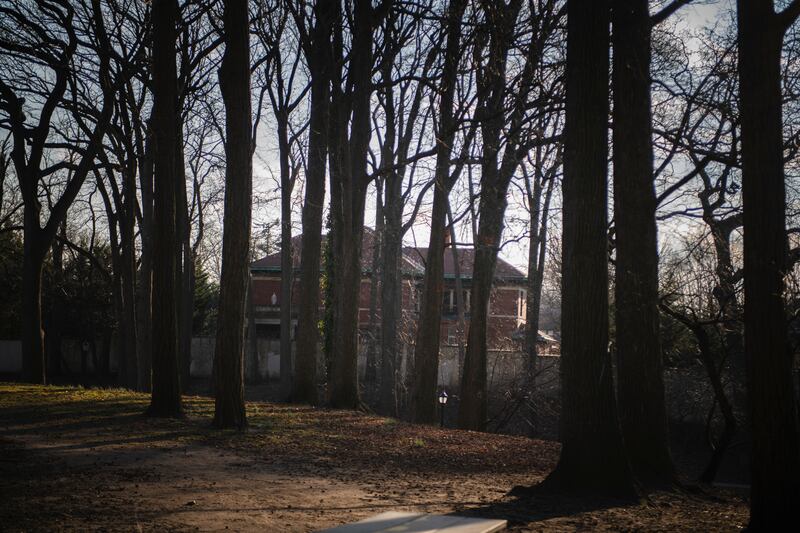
{"points": [[413, 260]]}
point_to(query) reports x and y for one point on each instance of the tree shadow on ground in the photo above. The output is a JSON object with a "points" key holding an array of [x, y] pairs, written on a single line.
{"points": [[529, 505]]}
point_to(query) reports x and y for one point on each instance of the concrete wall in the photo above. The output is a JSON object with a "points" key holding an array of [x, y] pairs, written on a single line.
{"points": [[75, 356], [10, 357]]}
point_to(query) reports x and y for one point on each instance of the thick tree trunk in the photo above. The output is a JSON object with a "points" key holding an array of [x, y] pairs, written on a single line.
{"points": [[234, 78], [349, 183], [305, 382], [426, 350], [640, 390], [472, 411], [166, 391], [592, 457], [775, 458], [33, 363]]}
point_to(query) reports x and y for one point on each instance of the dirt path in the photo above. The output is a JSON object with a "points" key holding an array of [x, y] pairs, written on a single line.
{"points": [[80, 460]]}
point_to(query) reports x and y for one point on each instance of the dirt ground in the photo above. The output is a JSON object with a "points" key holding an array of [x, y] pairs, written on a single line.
{"points": [[85, 459]]}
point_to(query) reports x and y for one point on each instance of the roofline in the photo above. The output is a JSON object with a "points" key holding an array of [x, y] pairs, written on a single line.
{"points": [[505, 279]]}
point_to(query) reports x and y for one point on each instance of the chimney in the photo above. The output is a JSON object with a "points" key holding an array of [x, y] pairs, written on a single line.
{"points": [[446, 237]]}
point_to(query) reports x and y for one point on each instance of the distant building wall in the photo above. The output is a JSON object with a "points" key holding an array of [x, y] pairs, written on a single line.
{"points": [[10, 357]]}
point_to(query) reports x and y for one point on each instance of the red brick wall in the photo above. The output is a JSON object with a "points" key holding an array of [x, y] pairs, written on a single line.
{"points": [[503, 318]]}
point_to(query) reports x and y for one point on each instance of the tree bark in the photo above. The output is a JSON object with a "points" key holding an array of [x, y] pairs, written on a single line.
{"points": [[287, 264], [426, 350], [775, 457], [640, 390], [144, 288], [492, 89], [184, 261], [349, 181], [391, 294], [166, 391], [234, 79], [375, 282], [33, 364], [305, 382], [592, 457]]}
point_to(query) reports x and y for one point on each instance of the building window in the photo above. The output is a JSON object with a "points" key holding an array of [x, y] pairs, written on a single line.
{"points": [[452, 336], [448, 302]]}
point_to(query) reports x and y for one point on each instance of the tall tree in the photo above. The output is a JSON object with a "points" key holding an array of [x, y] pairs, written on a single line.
{"points": [[349, 139], [592, 453], [234, 80], [42, 42], [505, 111], [640, 389], [166, 390], [283, 55], [775, 457], [426, 351], [401, 122], [316, 47], [496, 173]]}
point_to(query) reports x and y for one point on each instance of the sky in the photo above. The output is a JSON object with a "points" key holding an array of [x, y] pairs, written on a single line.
{"points": [[265, 167]]}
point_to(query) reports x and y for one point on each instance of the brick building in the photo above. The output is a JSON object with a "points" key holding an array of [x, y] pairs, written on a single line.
{"points": [[507, 307]]}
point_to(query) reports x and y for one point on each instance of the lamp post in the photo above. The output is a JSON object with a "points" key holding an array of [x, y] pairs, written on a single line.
{"points": [[442, 402]]}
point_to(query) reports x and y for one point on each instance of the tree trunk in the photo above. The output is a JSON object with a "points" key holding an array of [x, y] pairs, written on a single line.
{"points": [[375, 282], [391, 294], [426, 350], [184, 262], [461, 323], [287, 264], [775, 458], [592, 457], [640, 389], [305, 382], [472, 411], [534, 244], [166, 392], [144, 288], [490, 111], [54, 327], [234, 78], [33, 364], [349, 183], [129, 322]]}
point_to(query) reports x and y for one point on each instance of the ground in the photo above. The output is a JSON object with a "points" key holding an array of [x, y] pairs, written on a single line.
{"points": [[86, 459]]}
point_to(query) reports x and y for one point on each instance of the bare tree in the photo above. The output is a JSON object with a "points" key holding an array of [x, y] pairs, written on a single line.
{"points": [[286, 91], [349, 142], [592, 455], [426, 350], [775, 461], [38, 44], [317, 49], [640, 388], [166, 389], [234, 79]]}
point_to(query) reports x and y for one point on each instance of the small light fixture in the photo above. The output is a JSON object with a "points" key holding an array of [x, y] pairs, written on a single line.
{"points": [[442, 402]]}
